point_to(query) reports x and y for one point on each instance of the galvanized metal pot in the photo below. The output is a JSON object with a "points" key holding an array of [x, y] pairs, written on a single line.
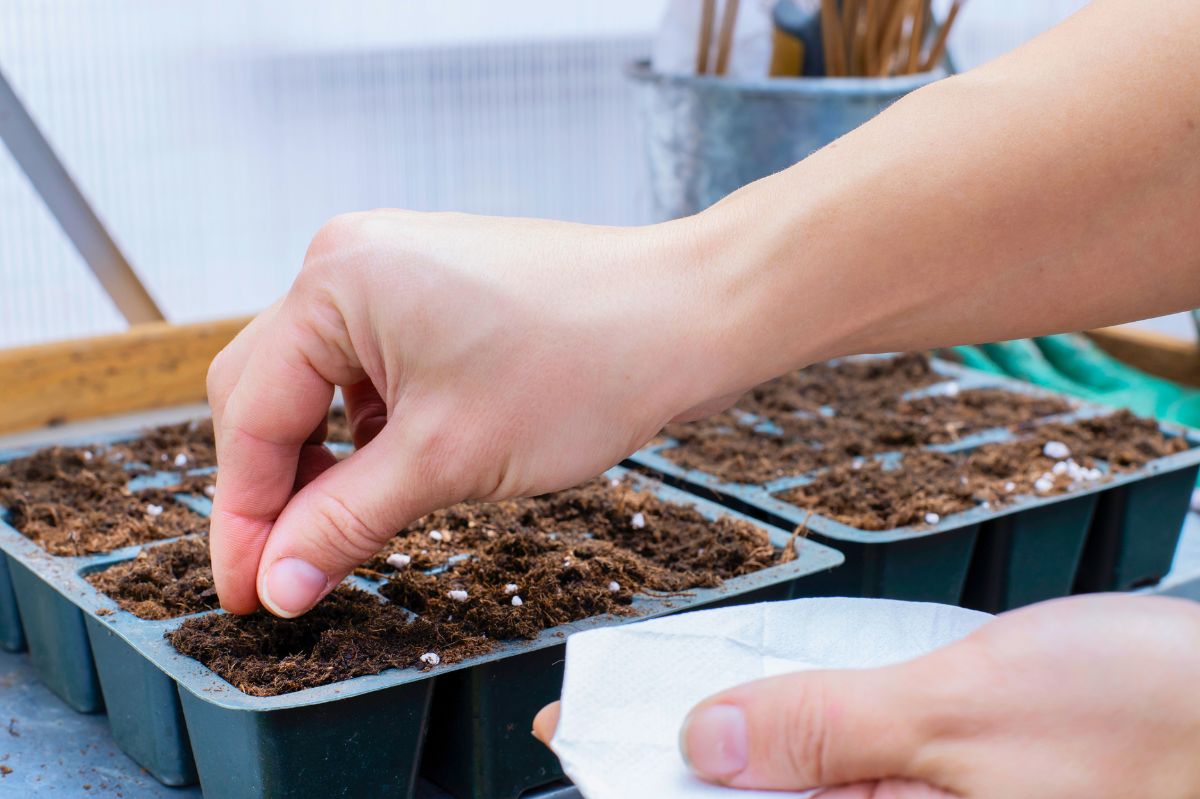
{"points": [[707, 136]]}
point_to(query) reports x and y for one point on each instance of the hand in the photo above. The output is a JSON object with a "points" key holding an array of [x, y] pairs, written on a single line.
{"points": [[1081, 697], [479, 358]]}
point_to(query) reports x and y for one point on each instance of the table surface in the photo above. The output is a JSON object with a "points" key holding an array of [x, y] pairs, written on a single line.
{"points": [[54, 751]]}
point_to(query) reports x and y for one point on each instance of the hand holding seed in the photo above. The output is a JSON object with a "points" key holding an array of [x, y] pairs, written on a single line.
{"points": [[457, 342]]}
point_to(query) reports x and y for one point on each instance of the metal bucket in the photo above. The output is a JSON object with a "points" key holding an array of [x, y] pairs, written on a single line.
{"points": [[708, 136]]}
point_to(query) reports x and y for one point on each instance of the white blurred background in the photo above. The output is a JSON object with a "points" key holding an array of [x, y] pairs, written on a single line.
{"points": [[214, 136]]}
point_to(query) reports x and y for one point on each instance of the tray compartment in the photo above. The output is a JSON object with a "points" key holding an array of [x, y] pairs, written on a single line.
{"points": [[1132, 542], [357, 746], [144, 712], [57, 638], [1028, 557], [12, 635]]}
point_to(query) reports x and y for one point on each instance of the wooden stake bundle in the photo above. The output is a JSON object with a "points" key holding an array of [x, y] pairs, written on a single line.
{"points": [[881, 38]]}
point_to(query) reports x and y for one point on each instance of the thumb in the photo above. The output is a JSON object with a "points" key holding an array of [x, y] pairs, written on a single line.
{"points": [[810, 729], [339, 520]]}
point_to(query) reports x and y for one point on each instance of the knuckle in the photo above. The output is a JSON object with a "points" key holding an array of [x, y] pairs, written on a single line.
{"points": [[217, 376], [341, 534], [805, 736], [338, 233]]}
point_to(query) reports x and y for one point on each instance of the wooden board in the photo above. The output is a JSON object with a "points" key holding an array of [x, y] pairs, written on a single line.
{"points": [[1157, 353], [152, 365]]}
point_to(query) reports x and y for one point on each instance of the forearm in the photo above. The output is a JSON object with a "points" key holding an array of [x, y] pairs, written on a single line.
{"points": [[1055, 189]]}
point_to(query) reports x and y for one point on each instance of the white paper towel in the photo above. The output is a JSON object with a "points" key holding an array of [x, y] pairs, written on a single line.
{"points": [[627, 689]]}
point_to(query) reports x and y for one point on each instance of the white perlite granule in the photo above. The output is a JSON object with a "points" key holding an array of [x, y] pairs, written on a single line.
{"points": [[1057, 450], [436, 535], [517, 602], [398, 560], [210, 491], [932, 518], [181, 459], [457, 594], [511, 588], [1043, 485], [431, 658], [638, 521], [154, 510], [614, 586], [1010, 487]]}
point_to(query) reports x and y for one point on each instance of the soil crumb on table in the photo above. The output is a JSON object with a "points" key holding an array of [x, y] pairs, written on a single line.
{"points": [[348, 634], [162, 582], [76, 501]]}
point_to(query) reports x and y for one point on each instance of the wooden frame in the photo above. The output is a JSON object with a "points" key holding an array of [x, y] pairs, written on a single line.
{"points": [[157, 365], [151, 365], [1156, 353]]}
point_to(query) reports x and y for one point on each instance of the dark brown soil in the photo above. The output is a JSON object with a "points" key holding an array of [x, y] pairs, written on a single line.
{"points": [[564, 552], [1122, 439], [76, 501], [160, 446], [348, 634], [849, 382], [162, 582], [735, 452], [876, 497]]}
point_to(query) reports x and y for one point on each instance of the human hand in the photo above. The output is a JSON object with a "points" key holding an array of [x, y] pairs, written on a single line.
{"points": [[1081, 697], [479, 358]]}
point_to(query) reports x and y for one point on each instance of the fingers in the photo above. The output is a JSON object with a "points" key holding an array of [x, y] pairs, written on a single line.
{"points": [[808, 730], [341, 519], [546, 722], [279, 400], [365, 410]]}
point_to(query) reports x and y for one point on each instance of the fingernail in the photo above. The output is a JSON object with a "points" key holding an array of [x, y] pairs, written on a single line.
{"points": [[715, 742], [292, 586]]}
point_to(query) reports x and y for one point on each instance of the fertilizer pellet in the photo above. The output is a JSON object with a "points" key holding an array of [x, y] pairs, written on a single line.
{"points": [[431, 658], [1057, 450], [638, 521], [398, 560], [517, 602], [458, 595]]}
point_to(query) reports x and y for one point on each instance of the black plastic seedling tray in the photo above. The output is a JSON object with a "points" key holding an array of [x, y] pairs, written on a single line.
{"points": [[359, 737], [1119, 533]]}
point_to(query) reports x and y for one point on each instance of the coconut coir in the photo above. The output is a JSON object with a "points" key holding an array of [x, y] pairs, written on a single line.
{"points": [[163, 581]]}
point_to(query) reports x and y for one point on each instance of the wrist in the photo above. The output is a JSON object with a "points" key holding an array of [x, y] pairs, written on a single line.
{"points": [[762, 305]]}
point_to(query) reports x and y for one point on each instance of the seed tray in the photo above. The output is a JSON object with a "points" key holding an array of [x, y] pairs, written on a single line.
{"points": [[358, 737], [1117, 534]]}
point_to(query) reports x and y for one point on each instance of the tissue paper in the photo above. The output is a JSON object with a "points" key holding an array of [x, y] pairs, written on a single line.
{"points": [[627, 689]]}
